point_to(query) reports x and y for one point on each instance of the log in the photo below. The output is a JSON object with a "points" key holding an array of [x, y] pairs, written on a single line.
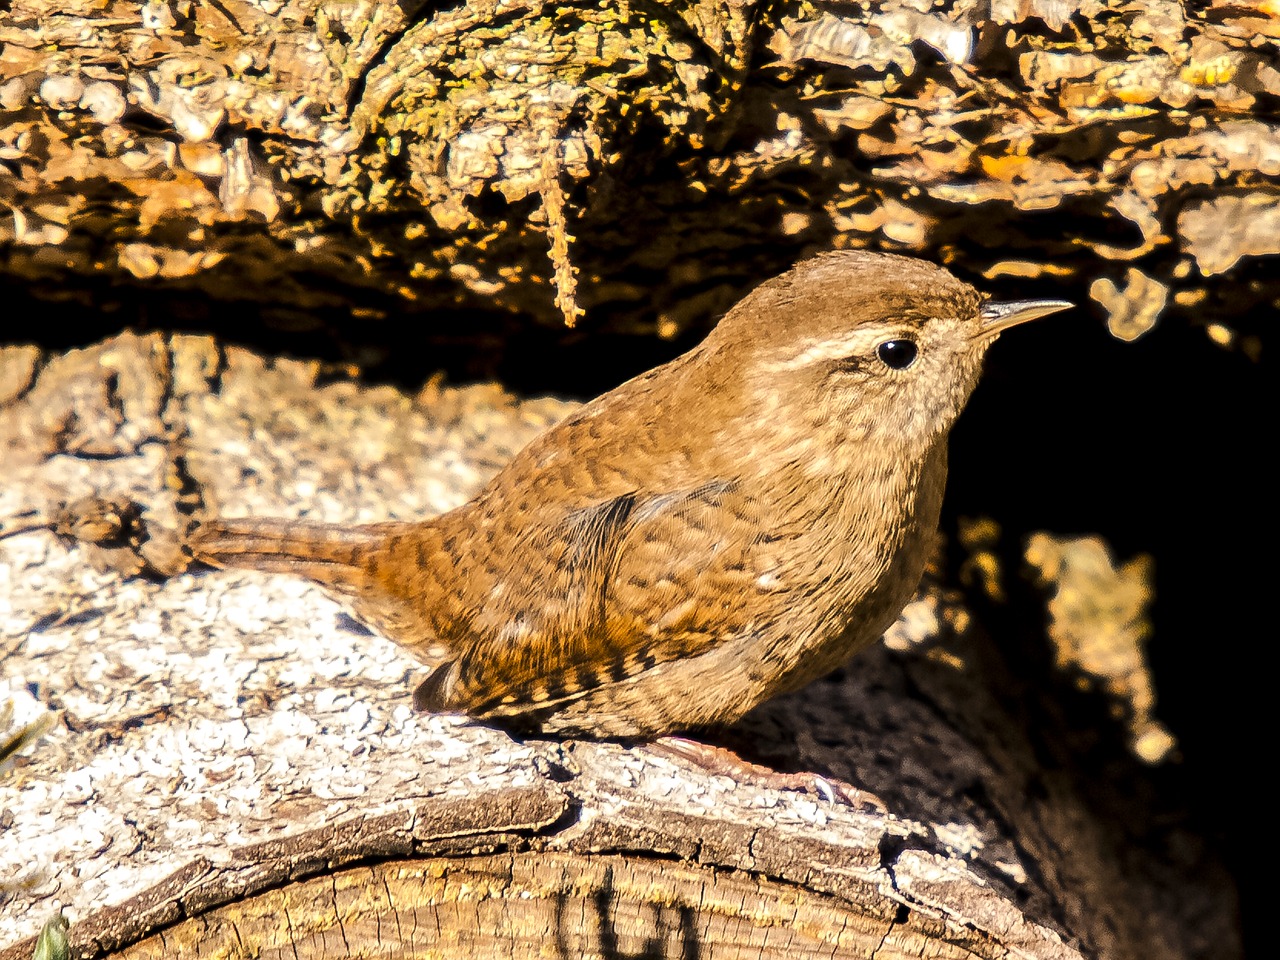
{"points": [[229, 765]]}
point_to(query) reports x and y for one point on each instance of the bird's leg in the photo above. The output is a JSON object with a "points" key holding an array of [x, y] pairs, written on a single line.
{"points": [[722, 761]]}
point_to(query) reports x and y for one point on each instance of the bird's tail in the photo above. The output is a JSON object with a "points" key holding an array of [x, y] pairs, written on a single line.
{"points": [[395, 576], [335, 555]]}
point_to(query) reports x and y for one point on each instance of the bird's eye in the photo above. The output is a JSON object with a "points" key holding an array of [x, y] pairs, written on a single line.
{"points": [[897, 354]]}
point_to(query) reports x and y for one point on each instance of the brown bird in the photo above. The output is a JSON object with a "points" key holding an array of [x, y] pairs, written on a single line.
{"points": [[721, 529]]}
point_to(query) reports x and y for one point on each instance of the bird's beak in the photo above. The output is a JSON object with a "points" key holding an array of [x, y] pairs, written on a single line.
{"points": [[997, 317]]}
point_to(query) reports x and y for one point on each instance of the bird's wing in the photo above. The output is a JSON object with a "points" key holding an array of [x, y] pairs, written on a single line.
{"points": [[609, 591]]}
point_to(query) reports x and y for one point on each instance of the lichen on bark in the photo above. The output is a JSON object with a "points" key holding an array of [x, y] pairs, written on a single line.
{"points": [[652, 159]]}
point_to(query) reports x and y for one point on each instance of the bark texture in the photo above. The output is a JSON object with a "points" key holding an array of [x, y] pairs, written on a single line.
{"points": [[639, 161]]}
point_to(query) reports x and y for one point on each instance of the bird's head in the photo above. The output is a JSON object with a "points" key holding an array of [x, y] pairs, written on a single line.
{"points": [[874, 343]]}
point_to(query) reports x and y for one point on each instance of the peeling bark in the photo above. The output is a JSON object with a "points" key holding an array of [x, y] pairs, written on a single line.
{"points": [[641, 163]]}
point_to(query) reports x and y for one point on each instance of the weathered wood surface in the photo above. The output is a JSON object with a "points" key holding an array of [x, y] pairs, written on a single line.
{"points": [[463, 163], [230, 752]]}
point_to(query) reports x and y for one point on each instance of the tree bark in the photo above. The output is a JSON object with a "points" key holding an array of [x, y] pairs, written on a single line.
{"points": [[232, 766], [641, 162]]}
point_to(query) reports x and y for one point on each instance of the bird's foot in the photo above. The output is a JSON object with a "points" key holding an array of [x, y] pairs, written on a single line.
{"points": [[723, 762]]}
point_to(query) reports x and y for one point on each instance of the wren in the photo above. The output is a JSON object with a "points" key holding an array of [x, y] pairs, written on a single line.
{"points": [[719, 530]]}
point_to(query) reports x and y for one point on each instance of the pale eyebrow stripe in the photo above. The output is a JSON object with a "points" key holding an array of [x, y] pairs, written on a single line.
{"points": [[817, 351]]}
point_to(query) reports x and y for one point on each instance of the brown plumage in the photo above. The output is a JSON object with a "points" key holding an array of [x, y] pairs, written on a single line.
{"points": [[718, 530]]}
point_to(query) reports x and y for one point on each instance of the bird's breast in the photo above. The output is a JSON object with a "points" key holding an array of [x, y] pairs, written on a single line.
{"points": [[848, 566]]}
